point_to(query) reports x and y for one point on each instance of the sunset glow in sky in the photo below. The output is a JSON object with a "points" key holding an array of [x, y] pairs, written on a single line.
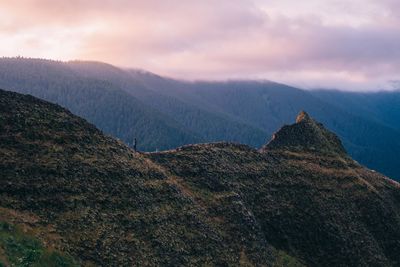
{"points": [[348, 44]]}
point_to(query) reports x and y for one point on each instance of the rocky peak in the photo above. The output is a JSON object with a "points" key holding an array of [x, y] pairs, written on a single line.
{"points": [[306, 135], [303, 117]]}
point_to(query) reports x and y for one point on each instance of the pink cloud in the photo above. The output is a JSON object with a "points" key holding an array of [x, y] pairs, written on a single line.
{"points": [[320, 41]]}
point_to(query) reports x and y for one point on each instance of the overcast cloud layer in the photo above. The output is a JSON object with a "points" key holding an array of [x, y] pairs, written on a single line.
{"points": [[312, 43]]}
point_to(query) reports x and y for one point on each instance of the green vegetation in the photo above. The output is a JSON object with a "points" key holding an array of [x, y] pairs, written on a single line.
{"points": [[311, 201], [300, 201], [306, 135], [22, 250], [285, 260], [164, 113]]}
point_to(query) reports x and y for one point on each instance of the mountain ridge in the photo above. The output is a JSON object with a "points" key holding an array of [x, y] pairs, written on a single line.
{"points": [[306, 135], [163, 113], [90, 196]]}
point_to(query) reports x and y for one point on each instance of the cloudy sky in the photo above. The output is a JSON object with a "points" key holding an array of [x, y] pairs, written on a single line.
{"points": [[346, 44]]}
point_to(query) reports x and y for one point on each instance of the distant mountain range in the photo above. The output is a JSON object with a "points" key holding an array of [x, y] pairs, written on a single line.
{"points": [[164, 113], [72, 196]]}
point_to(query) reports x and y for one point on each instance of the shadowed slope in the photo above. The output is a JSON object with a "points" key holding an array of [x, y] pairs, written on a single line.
{"points": [[303, 191], [89, 196], [92, 197], [306, 135], [164, 113]]}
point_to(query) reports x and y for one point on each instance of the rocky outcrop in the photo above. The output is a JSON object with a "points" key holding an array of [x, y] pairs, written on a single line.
{"points": [[300, 201], [306, 135]]}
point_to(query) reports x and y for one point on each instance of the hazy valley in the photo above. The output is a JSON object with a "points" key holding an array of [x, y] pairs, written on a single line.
{"points": [[163, 113], [229, 133]]}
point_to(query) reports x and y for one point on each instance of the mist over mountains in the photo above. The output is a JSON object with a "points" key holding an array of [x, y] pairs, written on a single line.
{"points": [[164, 113]]}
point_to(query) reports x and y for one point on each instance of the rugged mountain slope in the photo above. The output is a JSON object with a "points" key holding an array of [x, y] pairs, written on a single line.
{"points": [[268, 105], [120, 105], [101, 102], [95, 200], [371, 140], [382, 109], [165, 113], [306, 135], [19, 248], [310, 200]]}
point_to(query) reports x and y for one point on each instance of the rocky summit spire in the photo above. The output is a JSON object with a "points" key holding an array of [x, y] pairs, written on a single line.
{"points": [[306, 135], [303, 117]]}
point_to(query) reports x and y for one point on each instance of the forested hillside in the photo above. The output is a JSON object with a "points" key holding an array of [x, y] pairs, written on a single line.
{"points": [[163, 113], [71, 196], [101, 102], [383, 107]]}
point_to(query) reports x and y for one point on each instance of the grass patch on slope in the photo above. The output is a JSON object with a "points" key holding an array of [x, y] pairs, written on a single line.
{"points": [[285, 260], [19, 249]]}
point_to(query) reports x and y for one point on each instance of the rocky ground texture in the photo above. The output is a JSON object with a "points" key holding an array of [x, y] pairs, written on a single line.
{"points": [[299, 201]]}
